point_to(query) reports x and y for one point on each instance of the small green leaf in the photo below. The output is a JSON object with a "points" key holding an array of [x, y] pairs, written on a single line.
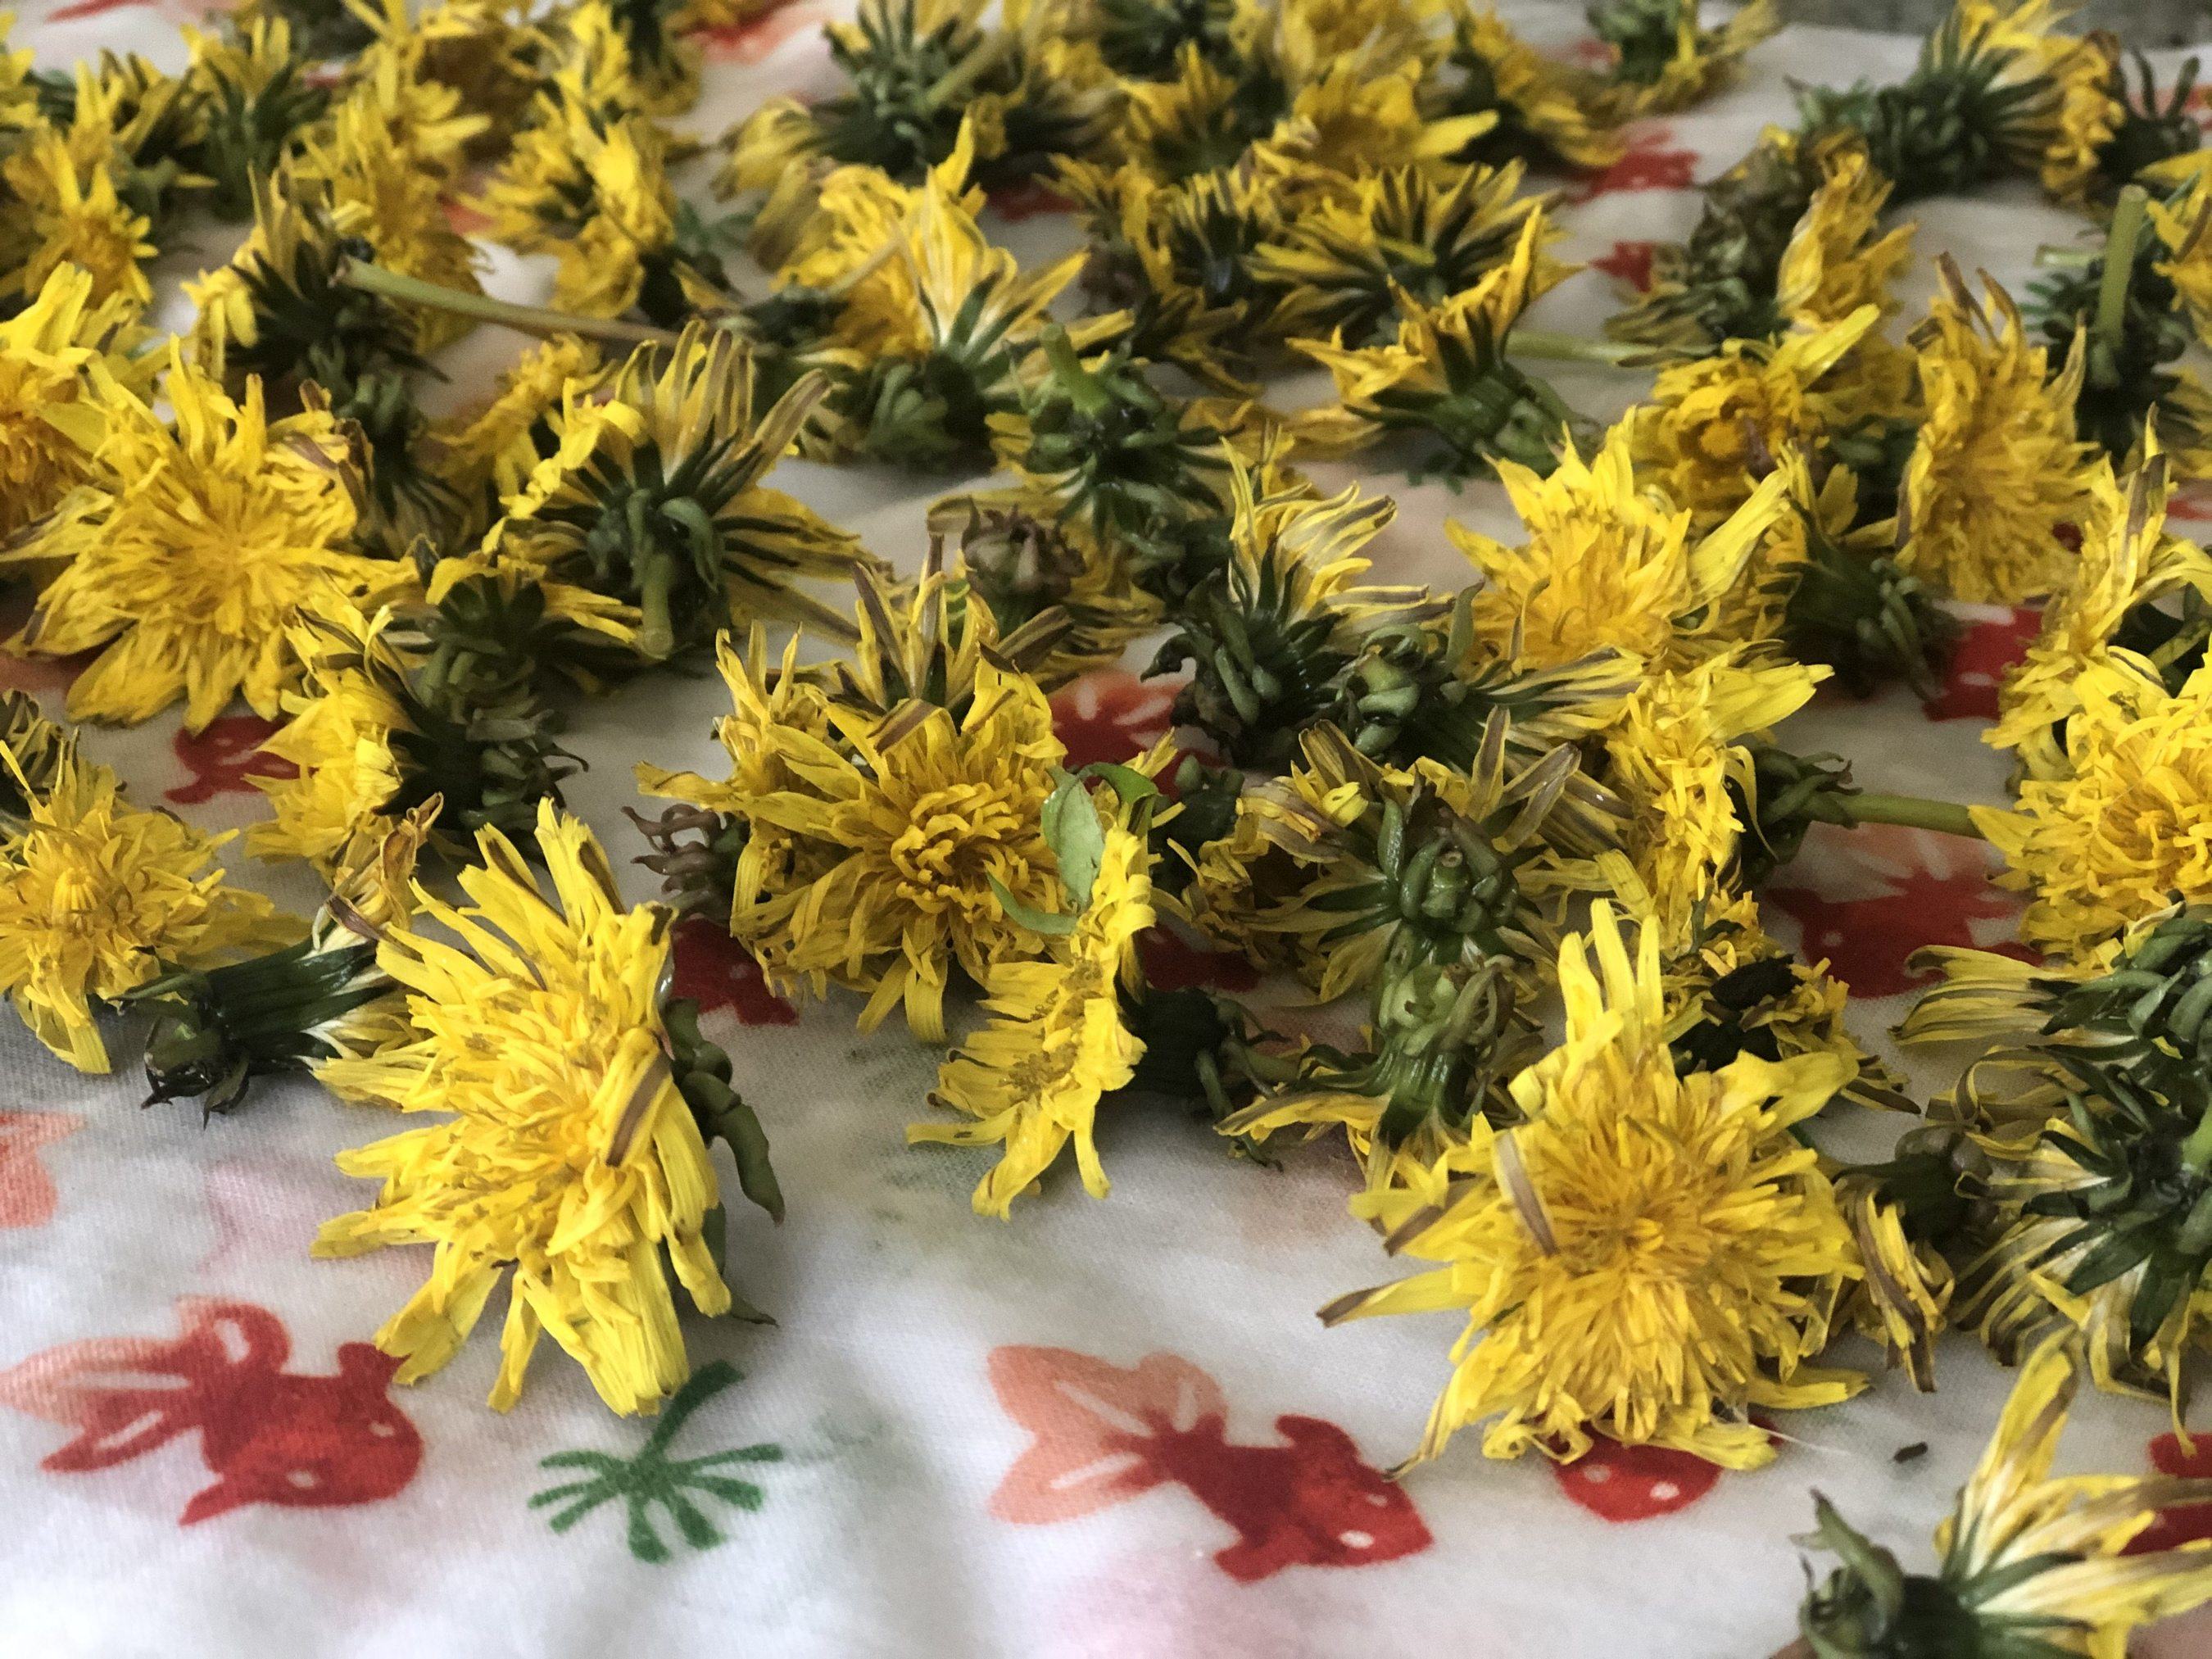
{"points": [[1038, 922], [1072, 830], [1131, 784]]}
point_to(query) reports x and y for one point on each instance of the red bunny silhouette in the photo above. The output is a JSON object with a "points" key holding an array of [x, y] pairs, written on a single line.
{"points": [[1630, 262], [1652, 161], [1104, 1434], [269, 1435], [1985, 650], [715, 971], [756, 39], [1886, 892], [225, 757], [27, 1191]]}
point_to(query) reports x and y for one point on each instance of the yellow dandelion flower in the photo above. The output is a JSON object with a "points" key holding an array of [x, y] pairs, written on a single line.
{"points": [[51, 415], [2030, 1562], [1351, 116], [1608, 565], [193, 551], [1542, 116], [490, 451], [1447, 376], [1997, 470], [1658, 69], [1650, 1256], [2182, 228], [2120, 826], [71, 215], [1721, 422], [1346, 257], [2091, 108], [377, 186], [648, 515], [591, 187], [2127, 569], [1055, 1042], [19, 92], [765, 699], [97, 897], [571, 1162], [397, 97], [1835, 262], [1674, 756], [340, 737], [903, 827]]}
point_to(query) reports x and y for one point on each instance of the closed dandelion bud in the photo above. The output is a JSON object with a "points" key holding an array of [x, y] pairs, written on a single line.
{"points": [[1862, 614], [1721, 283], [1116, 453], [257, 98], [2134, 331], [1059, 597], [1783, 795], [1410, 868], [1982, 102], [1440, 1041], [1269, 637]]}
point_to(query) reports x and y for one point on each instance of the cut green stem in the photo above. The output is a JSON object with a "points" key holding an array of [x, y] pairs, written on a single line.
{"points": [[2196, 1151], [1552, 347], [525, 320], [656, 634], [2128, 218], [1914, 811]]}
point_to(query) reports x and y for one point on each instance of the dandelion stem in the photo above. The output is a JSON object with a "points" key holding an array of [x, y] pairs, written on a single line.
{"points": [[2196, 1151], [968, 70], [2051, 257], [1915, 811], [2120, 242], [1551, 346], [656, 635], [525, 320], [1080, 385]]}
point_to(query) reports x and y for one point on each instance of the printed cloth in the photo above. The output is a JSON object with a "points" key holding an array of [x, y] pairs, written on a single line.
{"points": [[1103, 1429]]}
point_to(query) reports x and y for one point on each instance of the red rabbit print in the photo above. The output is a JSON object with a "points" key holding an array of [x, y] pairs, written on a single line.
{"points": [[1988, 646], [1103, 1434], [269, 1435], [27, 1191], [756, 39], [224, 758], [1886, 892], [1028, 200], [1652, 161], [1629, 263], [2185, 1523], [1635, 1482], [717, 972], [1112, 715]]}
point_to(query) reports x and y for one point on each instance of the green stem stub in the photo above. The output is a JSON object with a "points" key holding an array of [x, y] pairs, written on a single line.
{"points": [[1915, 811]]}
